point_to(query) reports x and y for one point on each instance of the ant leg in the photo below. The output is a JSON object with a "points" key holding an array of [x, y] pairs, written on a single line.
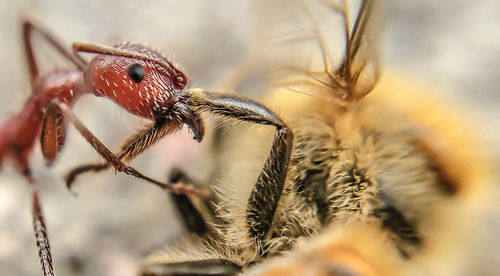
{"points": [[193, 219], [133, 146], [42, 240], [269, 185], [28, 26], [73, 174], [50, 134]]}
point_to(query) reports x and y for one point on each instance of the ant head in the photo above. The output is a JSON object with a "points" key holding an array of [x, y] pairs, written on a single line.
{"points": [[137, 78], [142, 81]]}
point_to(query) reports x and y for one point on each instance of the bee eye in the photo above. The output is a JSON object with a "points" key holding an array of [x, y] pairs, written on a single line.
{"points": [[136, 72]]}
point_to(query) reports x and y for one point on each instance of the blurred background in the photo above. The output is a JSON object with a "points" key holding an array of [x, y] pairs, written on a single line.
{"points": [[115, 220]]}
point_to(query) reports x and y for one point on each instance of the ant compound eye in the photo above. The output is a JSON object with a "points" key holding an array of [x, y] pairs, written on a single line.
{"points": [[136, 72], [180, 81]]}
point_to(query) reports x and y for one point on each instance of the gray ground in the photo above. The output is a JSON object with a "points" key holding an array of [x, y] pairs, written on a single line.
{"points": [[115, 221]]}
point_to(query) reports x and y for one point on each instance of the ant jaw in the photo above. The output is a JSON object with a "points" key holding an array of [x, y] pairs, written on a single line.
{"points": [[182, 113], [195, 124]]}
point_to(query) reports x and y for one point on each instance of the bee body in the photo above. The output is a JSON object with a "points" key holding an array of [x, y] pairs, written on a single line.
{"points": [[376, 177]]}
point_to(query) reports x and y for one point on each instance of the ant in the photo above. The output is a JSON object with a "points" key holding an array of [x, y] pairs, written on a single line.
{"points": [[146, 84], [19, 132]]}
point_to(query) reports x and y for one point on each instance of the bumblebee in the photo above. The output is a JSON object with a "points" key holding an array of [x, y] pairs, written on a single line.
{"points": [[365, 176]]}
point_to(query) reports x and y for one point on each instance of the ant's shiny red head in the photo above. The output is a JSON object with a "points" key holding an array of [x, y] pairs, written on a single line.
{"points": [[135, 77], [143, 82]]}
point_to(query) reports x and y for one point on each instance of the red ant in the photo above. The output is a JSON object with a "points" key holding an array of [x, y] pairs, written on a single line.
{"points": [[146, 84], [52, 94], [19, 132]]}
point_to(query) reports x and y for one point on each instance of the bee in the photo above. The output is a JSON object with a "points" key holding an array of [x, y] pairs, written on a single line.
{"points": [[364, 176]]}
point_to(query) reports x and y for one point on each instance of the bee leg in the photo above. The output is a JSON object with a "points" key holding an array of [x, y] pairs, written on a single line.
{"points": [[266, 193], [189, 214], [208, 267], [194, 217], [133, 146]]}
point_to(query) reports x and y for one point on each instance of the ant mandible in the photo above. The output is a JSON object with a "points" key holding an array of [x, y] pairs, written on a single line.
{"points": [[144, 83]]}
